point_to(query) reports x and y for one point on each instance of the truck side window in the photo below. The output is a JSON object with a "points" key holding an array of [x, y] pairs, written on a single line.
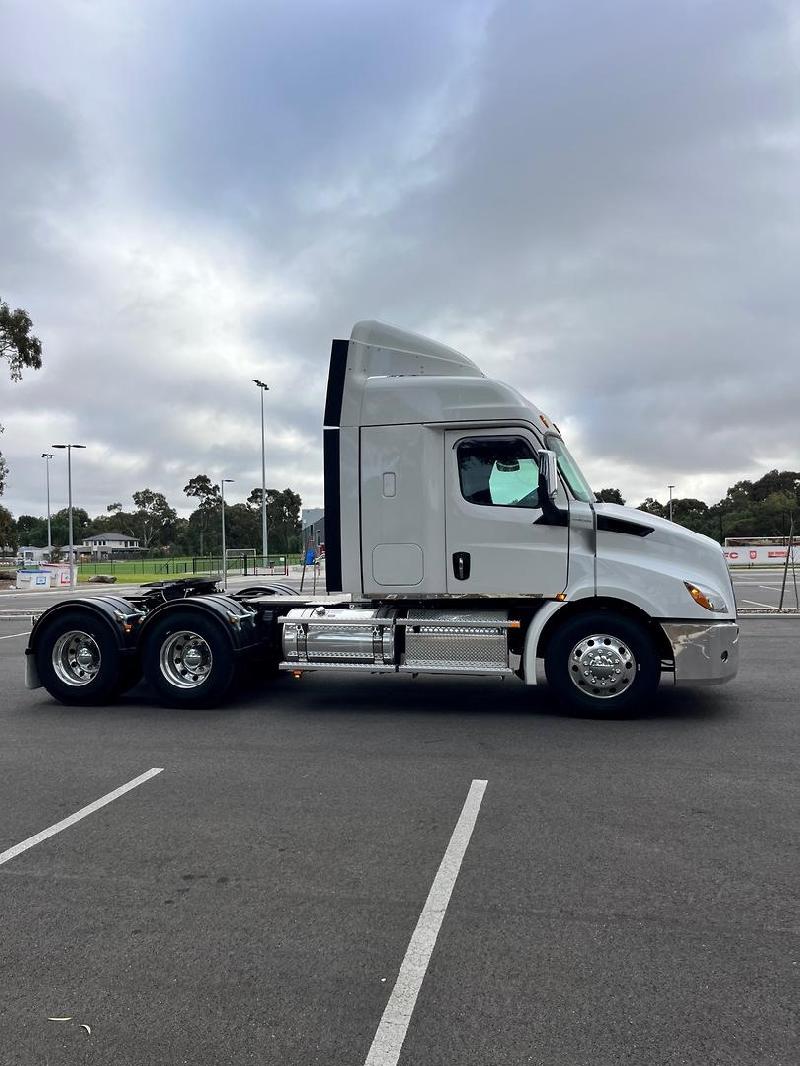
{"points": [[498, 471]]}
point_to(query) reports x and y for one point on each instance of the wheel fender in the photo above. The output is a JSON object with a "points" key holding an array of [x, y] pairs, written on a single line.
{"points": [[122, 618], [534, 632], [234, 618], [270, 589]]}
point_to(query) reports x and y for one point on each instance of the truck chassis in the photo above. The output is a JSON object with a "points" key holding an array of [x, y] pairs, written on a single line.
{"points": [[189, 641]]}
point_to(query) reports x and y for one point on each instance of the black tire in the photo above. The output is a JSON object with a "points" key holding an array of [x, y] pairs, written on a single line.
{"points": [[188, 660], [602, 664], [78, 659]]}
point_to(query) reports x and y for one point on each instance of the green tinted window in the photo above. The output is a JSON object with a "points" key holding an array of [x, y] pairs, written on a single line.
{"points": [[498, 472]]}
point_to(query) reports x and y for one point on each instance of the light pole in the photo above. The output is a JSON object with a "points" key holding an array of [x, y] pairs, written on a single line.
{"points": [[69, 448], [48, 456], [223, 482], [263, 388], [670, 487]]}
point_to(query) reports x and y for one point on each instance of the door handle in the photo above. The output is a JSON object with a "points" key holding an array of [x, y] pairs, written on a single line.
{"points": [[461, 562]]}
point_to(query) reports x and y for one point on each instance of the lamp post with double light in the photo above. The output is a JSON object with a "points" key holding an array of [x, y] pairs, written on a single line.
{"points": [[223, 482], [68, 448], [670, 487], [47, 456], [263, 388]]}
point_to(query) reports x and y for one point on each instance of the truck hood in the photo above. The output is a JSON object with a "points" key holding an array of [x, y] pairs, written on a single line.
{"points": [[660, 561], [668, 532]]}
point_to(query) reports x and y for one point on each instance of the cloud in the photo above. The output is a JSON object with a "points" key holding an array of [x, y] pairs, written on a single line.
{"points": [[596, 202]]}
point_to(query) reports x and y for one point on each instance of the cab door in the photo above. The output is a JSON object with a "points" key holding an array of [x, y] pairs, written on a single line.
{"points": [[497, 542]]}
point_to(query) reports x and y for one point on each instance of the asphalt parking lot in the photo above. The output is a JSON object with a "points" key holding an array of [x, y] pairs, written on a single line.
{"points": [[757, 590], [628, 894]]}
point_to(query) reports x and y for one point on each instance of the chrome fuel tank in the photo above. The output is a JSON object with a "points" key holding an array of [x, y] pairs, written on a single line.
{"points": [[357, 636]]}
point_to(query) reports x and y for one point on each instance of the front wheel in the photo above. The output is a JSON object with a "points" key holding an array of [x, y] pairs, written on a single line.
{"points": [[188, 660], [602, 664]]}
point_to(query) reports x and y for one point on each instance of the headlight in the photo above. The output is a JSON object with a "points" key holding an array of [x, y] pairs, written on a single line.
{"points": [[706, 597]]}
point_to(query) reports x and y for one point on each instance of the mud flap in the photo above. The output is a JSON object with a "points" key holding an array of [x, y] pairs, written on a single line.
{"points": [[31, 673]]}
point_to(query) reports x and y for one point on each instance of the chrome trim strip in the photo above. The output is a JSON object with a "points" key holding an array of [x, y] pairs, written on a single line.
{"points": [[483, 671], [304, 667]]}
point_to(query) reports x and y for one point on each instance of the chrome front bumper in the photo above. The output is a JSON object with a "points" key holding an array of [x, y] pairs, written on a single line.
{"points": [[706, 653]]}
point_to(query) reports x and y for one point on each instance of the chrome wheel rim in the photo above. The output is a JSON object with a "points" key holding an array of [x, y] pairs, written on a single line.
{"points": [[186, 659], [602, 666], [76, 658]]}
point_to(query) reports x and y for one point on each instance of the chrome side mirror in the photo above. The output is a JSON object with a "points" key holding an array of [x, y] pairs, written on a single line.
{"points": [[548, 474]]}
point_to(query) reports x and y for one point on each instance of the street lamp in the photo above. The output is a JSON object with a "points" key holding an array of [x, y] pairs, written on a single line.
{"points": [[263, 388], [48, 456], [68, 448], [670, 487], [223, 482]]}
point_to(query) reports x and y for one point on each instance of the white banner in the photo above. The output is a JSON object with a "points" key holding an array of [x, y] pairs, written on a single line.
{"points": [[760, 554]]}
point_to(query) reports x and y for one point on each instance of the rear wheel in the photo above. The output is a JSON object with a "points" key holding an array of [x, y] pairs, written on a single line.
{"points": [[78, 659], [188, 660], [602, 664]]}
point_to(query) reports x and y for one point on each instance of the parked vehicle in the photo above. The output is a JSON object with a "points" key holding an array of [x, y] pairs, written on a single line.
{"points": [[461, 538]]}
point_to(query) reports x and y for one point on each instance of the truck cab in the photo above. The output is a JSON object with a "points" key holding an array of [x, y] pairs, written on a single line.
{"points": [[435, 495]]}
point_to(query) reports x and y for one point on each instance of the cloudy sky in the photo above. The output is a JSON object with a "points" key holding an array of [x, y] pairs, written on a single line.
{"points": [[596, 200]]}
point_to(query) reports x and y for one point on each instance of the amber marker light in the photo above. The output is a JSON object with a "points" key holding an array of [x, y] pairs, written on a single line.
{"points": [[706, 598], [698, 596]]}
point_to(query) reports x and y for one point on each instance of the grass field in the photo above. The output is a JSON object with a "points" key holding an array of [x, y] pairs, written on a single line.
{"points": [[139, 571]]}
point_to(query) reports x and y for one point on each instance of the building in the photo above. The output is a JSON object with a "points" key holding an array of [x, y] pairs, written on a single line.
{"points": [[107, 545], [101, 547], [29, 555], [313, 520]]}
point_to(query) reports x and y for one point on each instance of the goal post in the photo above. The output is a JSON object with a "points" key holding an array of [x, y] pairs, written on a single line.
{"points": [[250, 561], [240, 560]]}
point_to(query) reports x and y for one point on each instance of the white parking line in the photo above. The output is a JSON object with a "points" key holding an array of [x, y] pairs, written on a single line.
{"points": [[755, 603], [10, 635], [388, 1042], [78, 815]]}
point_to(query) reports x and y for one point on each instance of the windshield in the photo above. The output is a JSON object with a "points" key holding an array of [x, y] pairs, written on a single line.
{"points": [[571, 472]]}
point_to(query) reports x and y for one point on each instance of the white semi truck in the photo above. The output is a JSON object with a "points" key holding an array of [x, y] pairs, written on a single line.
{"points": [[461, 538]]}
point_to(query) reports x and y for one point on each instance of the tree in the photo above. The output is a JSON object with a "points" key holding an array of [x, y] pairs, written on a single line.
{"points": [[776, 481], [690, 512], [181, 536], [19, 346], [610, 496], [32, 530], [154, 517], [283, 517], [201, 488], [242, 526], [60, 525], [652, 506], [8, 531]]}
